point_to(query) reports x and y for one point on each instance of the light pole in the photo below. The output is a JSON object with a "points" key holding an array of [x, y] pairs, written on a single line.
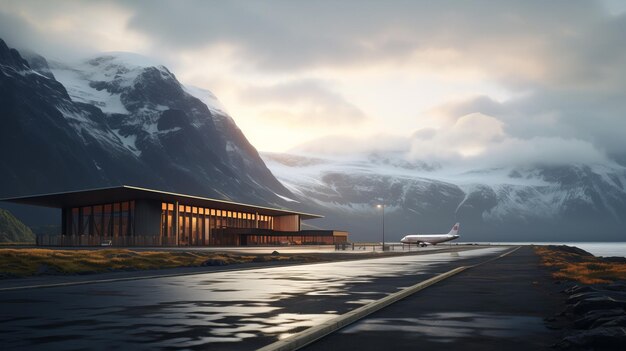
{"points": [[382, 206]]}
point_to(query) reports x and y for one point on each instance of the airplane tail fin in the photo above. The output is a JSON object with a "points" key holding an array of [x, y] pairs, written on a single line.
{"points": [[455, 229]]}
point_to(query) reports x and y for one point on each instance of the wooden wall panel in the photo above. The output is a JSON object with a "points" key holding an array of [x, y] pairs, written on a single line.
{"points": [[287, 223]]}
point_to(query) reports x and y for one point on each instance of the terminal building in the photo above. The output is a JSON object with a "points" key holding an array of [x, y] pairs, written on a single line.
{"points": [[132, 216]]}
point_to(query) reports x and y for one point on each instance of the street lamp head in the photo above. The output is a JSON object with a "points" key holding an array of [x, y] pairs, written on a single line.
{"points": [[379, 205]]}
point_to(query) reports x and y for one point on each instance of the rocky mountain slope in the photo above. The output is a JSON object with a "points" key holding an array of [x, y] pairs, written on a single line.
{"points": [[540, 203], [12, 230], [120, 119]]}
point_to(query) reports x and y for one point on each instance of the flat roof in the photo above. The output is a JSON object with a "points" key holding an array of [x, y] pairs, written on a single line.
{"points": [[127, 193]]}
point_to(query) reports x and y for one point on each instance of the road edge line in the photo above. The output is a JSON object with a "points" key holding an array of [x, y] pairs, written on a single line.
{"points": [[496, 258], [315, 333]]}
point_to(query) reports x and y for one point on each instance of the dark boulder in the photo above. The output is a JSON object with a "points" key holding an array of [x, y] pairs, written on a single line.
{"points": [[616, 286], [613, 321], [577, 289], [592, 316], [573, 299], [597, 303], [612, 338]]}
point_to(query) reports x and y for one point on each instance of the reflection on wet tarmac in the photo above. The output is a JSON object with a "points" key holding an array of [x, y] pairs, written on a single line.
{"points": [[231, 310], [447, 326]]}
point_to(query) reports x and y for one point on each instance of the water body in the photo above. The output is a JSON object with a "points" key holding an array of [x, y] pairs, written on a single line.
{"points": [[599, 249]]}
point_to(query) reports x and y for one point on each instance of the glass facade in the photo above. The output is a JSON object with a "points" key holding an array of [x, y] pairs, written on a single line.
{"points": [[133, 216], [293, 240], [198, 226], [108, 220], [183, 225]]}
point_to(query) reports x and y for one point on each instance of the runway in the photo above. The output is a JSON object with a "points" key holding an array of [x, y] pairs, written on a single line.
{"points": [[234, 310], [496, 306]]}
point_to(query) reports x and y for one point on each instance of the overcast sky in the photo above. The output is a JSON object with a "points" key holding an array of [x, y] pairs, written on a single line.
{"points": [[454, 80]]}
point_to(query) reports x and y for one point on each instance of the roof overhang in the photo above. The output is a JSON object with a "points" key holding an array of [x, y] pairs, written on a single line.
{"points": [[128, 193]]}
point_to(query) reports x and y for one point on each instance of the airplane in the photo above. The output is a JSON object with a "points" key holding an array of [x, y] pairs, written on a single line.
{"points": [[431, 239]]}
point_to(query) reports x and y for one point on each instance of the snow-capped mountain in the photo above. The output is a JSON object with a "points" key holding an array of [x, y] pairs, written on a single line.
{"points": [[120, 119], [542, 203]]}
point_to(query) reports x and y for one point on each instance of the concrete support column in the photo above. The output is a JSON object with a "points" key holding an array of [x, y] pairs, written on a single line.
{"points": [[175, 222]]}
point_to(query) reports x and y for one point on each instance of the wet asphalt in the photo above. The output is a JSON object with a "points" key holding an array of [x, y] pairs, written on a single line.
{"points": [[497, 306], [234, 310]]}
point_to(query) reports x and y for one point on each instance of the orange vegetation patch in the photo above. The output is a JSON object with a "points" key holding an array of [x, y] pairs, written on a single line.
{"points": [[577, 265], [26, 262]]}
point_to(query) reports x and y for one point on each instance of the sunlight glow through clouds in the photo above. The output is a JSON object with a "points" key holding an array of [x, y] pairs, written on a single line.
{"points": [[406, 94], [293, 73]]}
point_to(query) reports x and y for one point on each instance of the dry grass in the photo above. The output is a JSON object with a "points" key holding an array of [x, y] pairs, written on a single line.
{"points": [[577, 266], [27, 262]]}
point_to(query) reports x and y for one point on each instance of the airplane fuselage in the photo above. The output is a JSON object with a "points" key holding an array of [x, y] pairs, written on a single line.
{"points": [[432, 239]]}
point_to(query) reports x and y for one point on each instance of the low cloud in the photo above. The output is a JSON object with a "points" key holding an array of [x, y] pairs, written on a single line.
{"points": [[69, 30], [453, 110], [540, 151], [551, 114], [478, 140], [469, 136], [341, 145], [474, 141]]}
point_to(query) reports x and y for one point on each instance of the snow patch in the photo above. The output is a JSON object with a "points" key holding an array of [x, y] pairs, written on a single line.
{"points": [[128, 141], [231, 147], [167, 131], [207, 97], [129, 59], [76, 82], [71, 114], [286, 198]]}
